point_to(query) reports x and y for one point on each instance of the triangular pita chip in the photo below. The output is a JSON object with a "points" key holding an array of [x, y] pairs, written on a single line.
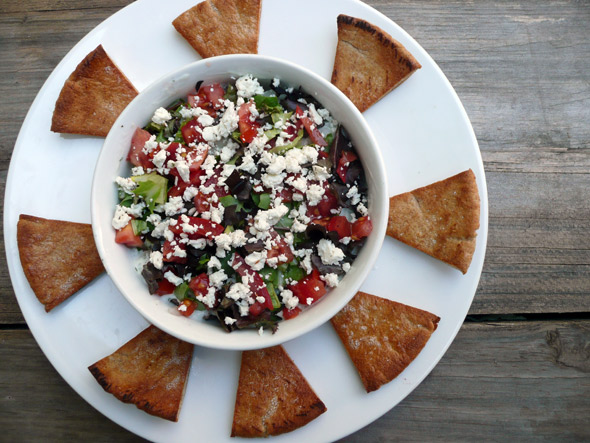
{"points": [[92, 97], [382, 337], [440, 219], [273, 396], [58, 257], [149, 371], [217, 27], [369, 63]]}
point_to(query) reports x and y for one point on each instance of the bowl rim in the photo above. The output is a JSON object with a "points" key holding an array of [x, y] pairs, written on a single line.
{"points": [[249, 339]]}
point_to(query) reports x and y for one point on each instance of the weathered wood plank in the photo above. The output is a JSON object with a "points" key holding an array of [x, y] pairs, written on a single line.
{"points": [[522, 380]]}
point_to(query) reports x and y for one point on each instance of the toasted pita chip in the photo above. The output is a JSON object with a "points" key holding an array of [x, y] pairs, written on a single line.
{"points": [[217, 27], [92, 97], [273, 396], [440, 219], [382, 337], [369, 63], [58, 257], [149, 371]]}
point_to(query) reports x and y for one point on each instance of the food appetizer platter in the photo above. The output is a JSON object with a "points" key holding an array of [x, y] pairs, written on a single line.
{"points": [[427, 145]]}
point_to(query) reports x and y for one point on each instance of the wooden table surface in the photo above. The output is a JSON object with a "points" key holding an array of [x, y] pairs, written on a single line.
{"points": [[520, 365]]}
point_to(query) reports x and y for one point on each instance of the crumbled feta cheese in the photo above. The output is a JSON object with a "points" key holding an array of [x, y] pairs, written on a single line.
{"points": [[289, 300], [161, 116], [217, 278], [362, 209], [256, 260], [315, 116], [173, 206], [314, 194], [157, 259], [354, 196], [121, 218], [229, 321], [238, 291], [346, 267], [226, 126], [126, 184], [173, 278], [247, 87], [160, 158], [329, 253], [248, 165], [330, 279]]}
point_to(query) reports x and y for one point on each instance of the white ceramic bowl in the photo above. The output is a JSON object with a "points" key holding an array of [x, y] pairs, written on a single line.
{"points": [[119, 260]]}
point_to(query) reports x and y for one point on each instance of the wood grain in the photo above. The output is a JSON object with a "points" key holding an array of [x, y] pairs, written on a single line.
{"points": [[527, 380]]}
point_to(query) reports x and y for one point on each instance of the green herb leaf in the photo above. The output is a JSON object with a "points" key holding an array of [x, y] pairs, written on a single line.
{"points": [[261, 200], [183, 291], [139, 226], [284, 148], [152, 188], [268, 104], [228, 200]]}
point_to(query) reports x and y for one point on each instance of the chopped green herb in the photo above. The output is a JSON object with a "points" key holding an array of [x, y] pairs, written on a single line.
{"points": [[152, 188]]}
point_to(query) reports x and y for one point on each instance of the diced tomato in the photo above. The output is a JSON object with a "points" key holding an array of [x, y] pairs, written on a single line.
{"points": [[127, 237], [199, 284], [256, 309], [168, 250], [201, 202], [187, 307], [362, 228], [248, 128], [204, 228], [328, 202], [280, 248], [173, 149], [310, 287], [288, 314], [195, 157], [341, 225], [255, 281], [191, 131], [292, 129], [213, 94], [136, 156], [311, 128], [322, 221], [344, 164], [165, 287]]}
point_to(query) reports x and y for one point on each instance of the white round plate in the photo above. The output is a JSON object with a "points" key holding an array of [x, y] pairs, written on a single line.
{"points": [[424, 134]]}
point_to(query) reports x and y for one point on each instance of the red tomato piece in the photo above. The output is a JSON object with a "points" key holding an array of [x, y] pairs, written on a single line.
{"points": [[136, 156], [201, 202], [344, 164], [311, 128], [280, 248], [256, 309], [168, 250], [165, 287], [202, 228], [187, 307], [341, 225], [195, 157], [213, 95], [362, 228], [309, 287], [191, 131], [199, 284], [248, 128], [288, 314], [255, 281], [328, 202], [127, 237]]}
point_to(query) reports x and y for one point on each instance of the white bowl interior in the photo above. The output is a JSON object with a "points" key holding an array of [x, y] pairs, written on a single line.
{"points": [[120, 261]]}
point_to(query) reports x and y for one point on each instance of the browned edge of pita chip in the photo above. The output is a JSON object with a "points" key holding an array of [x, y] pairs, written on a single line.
{"points": [[382, 337], [92, 97], [149, 371], [218, 27], [58, 257], [273, 396], [369, 63], [440, 219]]}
